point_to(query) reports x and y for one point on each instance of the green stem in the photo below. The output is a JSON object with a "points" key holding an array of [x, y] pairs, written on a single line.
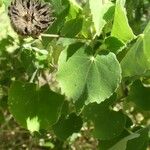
{"points": [[50, 35], [33, 76], [60, 36]]}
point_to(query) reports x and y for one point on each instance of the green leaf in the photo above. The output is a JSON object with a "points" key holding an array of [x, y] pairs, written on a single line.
{"points": [[27, 60], [74, 10], [106, 144], [72, 27], [137, 60], [99, 75], [6, 2], [108, 123], [122, 144], [2, 119], [138, 140], [98, 10], [113, 44], [141, 143], [65, 127], [34, 108], [61, 8], [146, 39], [1, 3], [140, 95], [75, 4], [121, 28]]}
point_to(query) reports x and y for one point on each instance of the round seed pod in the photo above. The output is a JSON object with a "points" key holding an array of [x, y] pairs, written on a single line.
{"points": [[30, 17]]}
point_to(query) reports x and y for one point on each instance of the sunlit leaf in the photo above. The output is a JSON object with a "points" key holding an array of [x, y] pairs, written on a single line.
{"points": [[98, 10], [99, 75], [121, 28]]}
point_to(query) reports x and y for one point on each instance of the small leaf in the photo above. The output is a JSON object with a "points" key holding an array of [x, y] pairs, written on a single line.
{"points": [[137, 60], [122, 144], [113, 44], [121, 28], [138, 140], [106, 144], [72, 27], [65, 127], [34, 108], [100, 75], [74, 10], [61, 8], [98, 10], [140, 95], [108, 124]]}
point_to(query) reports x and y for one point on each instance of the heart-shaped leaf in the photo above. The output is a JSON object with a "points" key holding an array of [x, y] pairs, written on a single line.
{"points": [[99, 75]]}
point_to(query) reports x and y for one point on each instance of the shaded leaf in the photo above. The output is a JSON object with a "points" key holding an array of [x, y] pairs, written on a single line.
{"points": [[113, 44], [65, 127], [34, 108], [138, 140], [106, 144], [140, 95], [2, 119], [108, 124], [137, 60], [72, 27]]}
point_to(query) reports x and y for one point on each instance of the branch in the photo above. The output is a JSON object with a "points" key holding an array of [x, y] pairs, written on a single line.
{"points": [[60, 36], [50, 35]]}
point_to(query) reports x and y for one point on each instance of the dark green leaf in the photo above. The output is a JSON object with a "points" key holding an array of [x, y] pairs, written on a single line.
{"points": [[113, 44], [34, 108], [72, 27], [106, 144], [138, 140], [141, 142], [108, 124], [65, 127], [140, 95], [2, 119]]}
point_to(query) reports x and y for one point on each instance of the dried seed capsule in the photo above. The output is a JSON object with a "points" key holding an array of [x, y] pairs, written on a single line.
{"points": [[30, 17]]}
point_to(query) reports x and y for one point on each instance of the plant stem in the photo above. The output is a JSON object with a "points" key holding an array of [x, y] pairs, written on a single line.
{"points": [[60, 36], [33, 76], [50, 35]]}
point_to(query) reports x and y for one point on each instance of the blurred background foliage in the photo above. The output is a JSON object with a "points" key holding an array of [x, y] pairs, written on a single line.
{"points": [[21, 58]]}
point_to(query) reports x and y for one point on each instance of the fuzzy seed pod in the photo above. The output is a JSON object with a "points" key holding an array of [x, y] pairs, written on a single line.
{"points": [[30, 17]]}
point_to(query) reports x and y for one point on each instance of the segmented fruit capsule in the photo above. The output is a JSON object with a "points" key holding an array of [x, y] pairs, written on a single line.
{"points": [[30, 17]]}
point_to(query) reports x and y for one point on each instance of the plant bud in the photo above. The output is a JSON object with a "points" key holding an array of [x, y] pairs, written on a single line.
{"points": [[30, 17]]}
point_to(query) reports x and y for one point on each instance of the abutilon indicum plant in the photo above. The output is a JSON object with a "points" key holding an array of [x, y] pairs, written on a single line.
{"points": [[70, 67]]}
